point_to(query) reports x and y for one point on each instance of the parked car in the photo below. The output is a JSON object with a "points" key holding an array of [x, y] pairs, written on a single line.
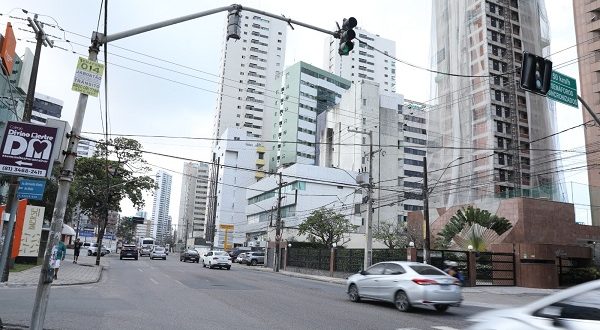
{"points": [[219, 259], [254, 258], [189, 254], [406, 284], [158, 252], [240, 258], [237, 251], [128, 251], [575, 308], [93, 250]]}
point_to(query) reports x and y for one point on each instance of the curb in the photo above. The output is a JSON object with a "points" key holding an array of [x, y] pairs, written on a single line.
{"points": [[304, 276], [24, 285]]}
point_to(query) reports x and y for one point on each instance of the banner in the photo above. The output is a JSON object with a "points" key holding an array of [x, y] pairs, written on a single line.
{"points": [[32, 231]]}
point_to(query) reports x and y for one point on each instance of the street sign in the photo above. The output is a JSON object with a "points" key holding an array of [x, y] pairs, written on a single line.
{"points": [[226, 227], [86, 233], [563, 89], [27, 150], [31, 189], [88, 77]]}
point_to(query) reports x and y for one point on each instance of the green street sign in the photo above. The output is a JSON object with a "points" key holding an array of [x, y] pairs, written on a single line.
{"points": [[563, 89]]}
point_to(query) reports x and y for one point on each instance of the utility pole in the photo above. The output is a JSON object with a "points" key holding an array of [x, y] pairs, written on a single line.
{"points": [[213, 225], [278, 226], [12, 203], [369, 225], [426, 251]]}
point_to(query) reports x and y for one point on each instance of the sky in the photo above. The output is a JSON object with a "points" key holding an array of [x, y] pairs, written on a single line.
{"points": [[182, 104]]}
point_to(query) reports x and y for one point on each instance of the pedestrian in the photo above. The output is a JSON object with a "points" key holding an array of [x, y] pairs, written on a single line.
{"points": [[76, 250], [58, 254]]}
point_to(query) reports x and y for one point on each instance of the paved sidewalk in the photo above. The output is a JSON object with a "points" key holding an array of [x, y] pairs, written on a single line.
{"points": [[84, 272]]}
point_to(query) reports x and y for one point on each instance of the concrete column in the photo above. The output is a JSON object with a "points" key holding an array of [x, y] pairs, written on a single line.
{"points": [[472, 269]]}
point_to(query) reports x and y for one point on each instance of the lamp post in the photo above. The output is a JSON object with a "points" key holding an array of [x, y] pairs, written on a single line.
{"points": [[426, 192]]}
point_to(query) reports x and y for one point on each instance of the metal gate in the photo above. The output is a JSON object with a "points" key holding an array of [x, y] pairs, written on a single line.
{"points": [[495, 269]]}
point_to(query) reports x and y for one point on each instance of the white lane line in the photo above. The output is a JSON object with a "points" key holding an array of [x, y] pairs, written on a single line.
{"points": [[140, 270], [442, 327], [153, 280]]}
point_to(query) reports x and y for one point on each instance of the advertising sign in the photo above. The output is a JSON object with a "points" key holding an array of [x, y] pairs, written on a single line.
{"points": [[226, 227], [7, 52], [87, 233], [88, 77], [31, 189], [26, 149], [32, 231]]}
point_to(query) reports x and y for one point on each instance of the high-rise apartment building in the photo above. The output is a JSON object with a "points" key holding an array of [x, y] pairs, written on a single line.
{"points": [[587, 31], [249, 75], [192, 203], [364, 62], [45, 107], [306, 91], [487, 136], [160, 207]]}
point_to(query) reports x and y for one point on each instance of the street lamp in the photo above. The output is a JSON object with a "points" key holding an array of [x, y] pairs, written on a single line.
{"points": [[470, 247], [426, 192]]}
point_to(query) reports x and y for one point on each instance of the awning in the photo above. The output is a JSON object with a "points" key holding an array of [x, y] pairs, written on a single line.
{"points": [[68, 230]]}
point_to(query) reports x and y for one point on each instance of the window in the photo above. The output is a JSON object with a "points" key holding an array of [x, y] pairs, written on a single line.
{"points": [[426, 270], [393, 269], [364, 102], [376, 269], [585, 306]]}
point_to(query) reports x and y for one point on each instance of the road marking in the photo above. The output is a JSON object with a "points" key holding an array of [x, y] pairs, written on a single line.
{"points": [[180, 282], [443, 327], [140, 270], [153, 280]]}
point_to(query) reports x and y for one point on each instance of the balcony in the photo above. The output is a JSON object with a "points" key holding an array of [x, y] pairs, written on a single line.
{"points": [[595, 66], [260, 162], [259, 175], [593, 5], [261, 149]]}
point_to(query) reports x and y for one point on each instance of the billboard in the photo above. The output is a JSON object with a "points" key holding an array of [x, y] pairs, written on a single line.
{"points": [[26, 149], [32, 231], [7, 52]]}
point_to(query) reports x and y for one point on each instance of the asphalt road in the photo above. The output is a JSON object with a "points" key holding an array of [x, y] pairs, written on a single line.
{"points": [[157, 294]]}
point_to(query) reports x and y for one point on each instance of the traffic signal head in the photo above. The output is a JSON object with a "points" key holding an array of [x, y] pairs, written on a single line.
{"points": [[536, 73], [346, 35]]}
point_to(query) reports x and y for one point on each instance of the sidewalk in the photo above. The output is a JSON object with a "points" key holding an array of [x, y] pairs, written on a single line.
{"points": [[84, 272], [480, 296]]}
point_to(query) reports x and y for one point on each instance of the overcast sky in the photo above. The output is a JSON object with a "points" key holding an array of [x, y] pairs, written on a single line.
{"points": [[141, 104]]}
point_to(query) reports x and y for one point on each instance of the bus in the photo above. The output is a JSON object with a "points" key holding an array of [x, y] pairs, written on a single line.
{"points": [[146, 244]]}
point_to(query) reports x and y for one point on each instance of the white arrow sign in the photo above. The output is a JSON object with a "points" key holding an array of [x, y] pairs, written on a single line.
{"points": [[21, 163]]}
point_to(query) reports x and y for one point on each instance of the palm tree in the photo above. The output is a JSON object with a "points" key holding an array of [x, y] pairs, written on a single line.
{"points": [[472, 226]]}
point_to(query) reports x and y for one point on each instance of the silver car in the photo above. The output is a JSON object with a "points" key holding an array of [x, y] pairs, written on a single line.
{"points": [[406, 284], [158, 252]]}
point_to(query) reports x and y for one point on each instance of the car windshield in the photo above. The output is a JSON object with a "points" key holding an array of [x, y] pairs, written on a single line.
{"points": [[426, 270], [159, 249], [221, 253], [126, 247], [192, 252]]}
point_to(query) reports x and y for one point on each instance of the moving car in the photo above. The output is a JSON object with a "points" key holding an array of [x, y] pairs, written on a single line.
{"points": [[219, 259], [237, 251], [189, 254], [145, 251], [575, 308], [254, 258], [406, 284], [93, 250], [158, 252], [240, 258], [129, 251]]}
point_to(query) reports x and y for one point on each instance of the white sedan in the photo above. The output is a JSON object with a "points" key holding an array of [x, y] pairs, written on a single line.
{"points": [[220, 259], [576, 308], [158, 252]]}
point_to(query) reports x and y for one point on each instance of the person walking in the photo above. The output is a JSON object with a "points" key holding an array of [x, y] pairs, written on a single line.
{"points": [[76, 250], [59, 252]]}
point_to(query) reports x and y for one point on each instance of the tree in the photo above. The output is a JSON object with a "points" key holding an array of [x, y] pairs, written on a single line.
{"points": [[472, 226], [102, 183], [392, 234], [325, 227], [126, 229]]}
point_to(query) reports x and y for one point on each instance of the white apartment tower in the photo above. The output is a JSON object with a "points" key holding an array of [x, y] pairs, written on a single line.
{"points": [[192, 203], [160, 207], [502, 135], [249, 75], [364, 61]]}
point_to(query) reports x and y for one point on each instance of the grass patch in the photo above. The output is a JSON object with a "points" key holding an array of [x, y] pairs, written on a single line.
{"points": [[21, 267]]}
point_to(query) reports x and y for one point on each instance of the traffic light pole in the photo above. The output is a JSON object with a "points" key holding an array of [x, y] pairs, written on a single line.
{"points": [[587, 107]]}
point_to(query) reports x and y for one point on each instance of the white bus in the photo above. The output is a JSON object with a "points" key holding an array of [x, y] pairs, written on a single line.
{"points": [[146, 244]]}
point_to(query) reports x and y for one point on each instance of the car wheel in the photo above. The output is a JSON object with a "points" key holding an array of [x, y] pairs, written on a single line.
{"points": [[353, 293], [401, 301], [121, 258], [197, 261], [441, 308], [89, 253], [253, 262], [136, 258], [203, 264], [228, 268], [165, 258]]}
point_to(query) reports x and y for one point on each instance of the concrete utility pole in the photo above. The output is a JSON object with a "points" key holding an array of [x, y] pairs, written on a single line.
{"points": [[369, 225], [213, 225], [427, 243], [12, 203], [66, 177], [278, 227]]}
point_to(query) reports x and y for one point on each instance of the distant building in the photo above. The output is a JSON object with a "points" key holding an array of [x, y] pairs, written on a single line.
{"points": [[237, 158], [45, 107], [86, 148], [306, 92], [364, 62], [193, 202], [160, 207]]}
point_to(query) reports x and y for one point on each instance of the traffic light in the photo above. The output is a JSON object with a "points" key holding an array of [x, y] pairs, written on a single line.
{"points": [[536, 73], [346, 36]]}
